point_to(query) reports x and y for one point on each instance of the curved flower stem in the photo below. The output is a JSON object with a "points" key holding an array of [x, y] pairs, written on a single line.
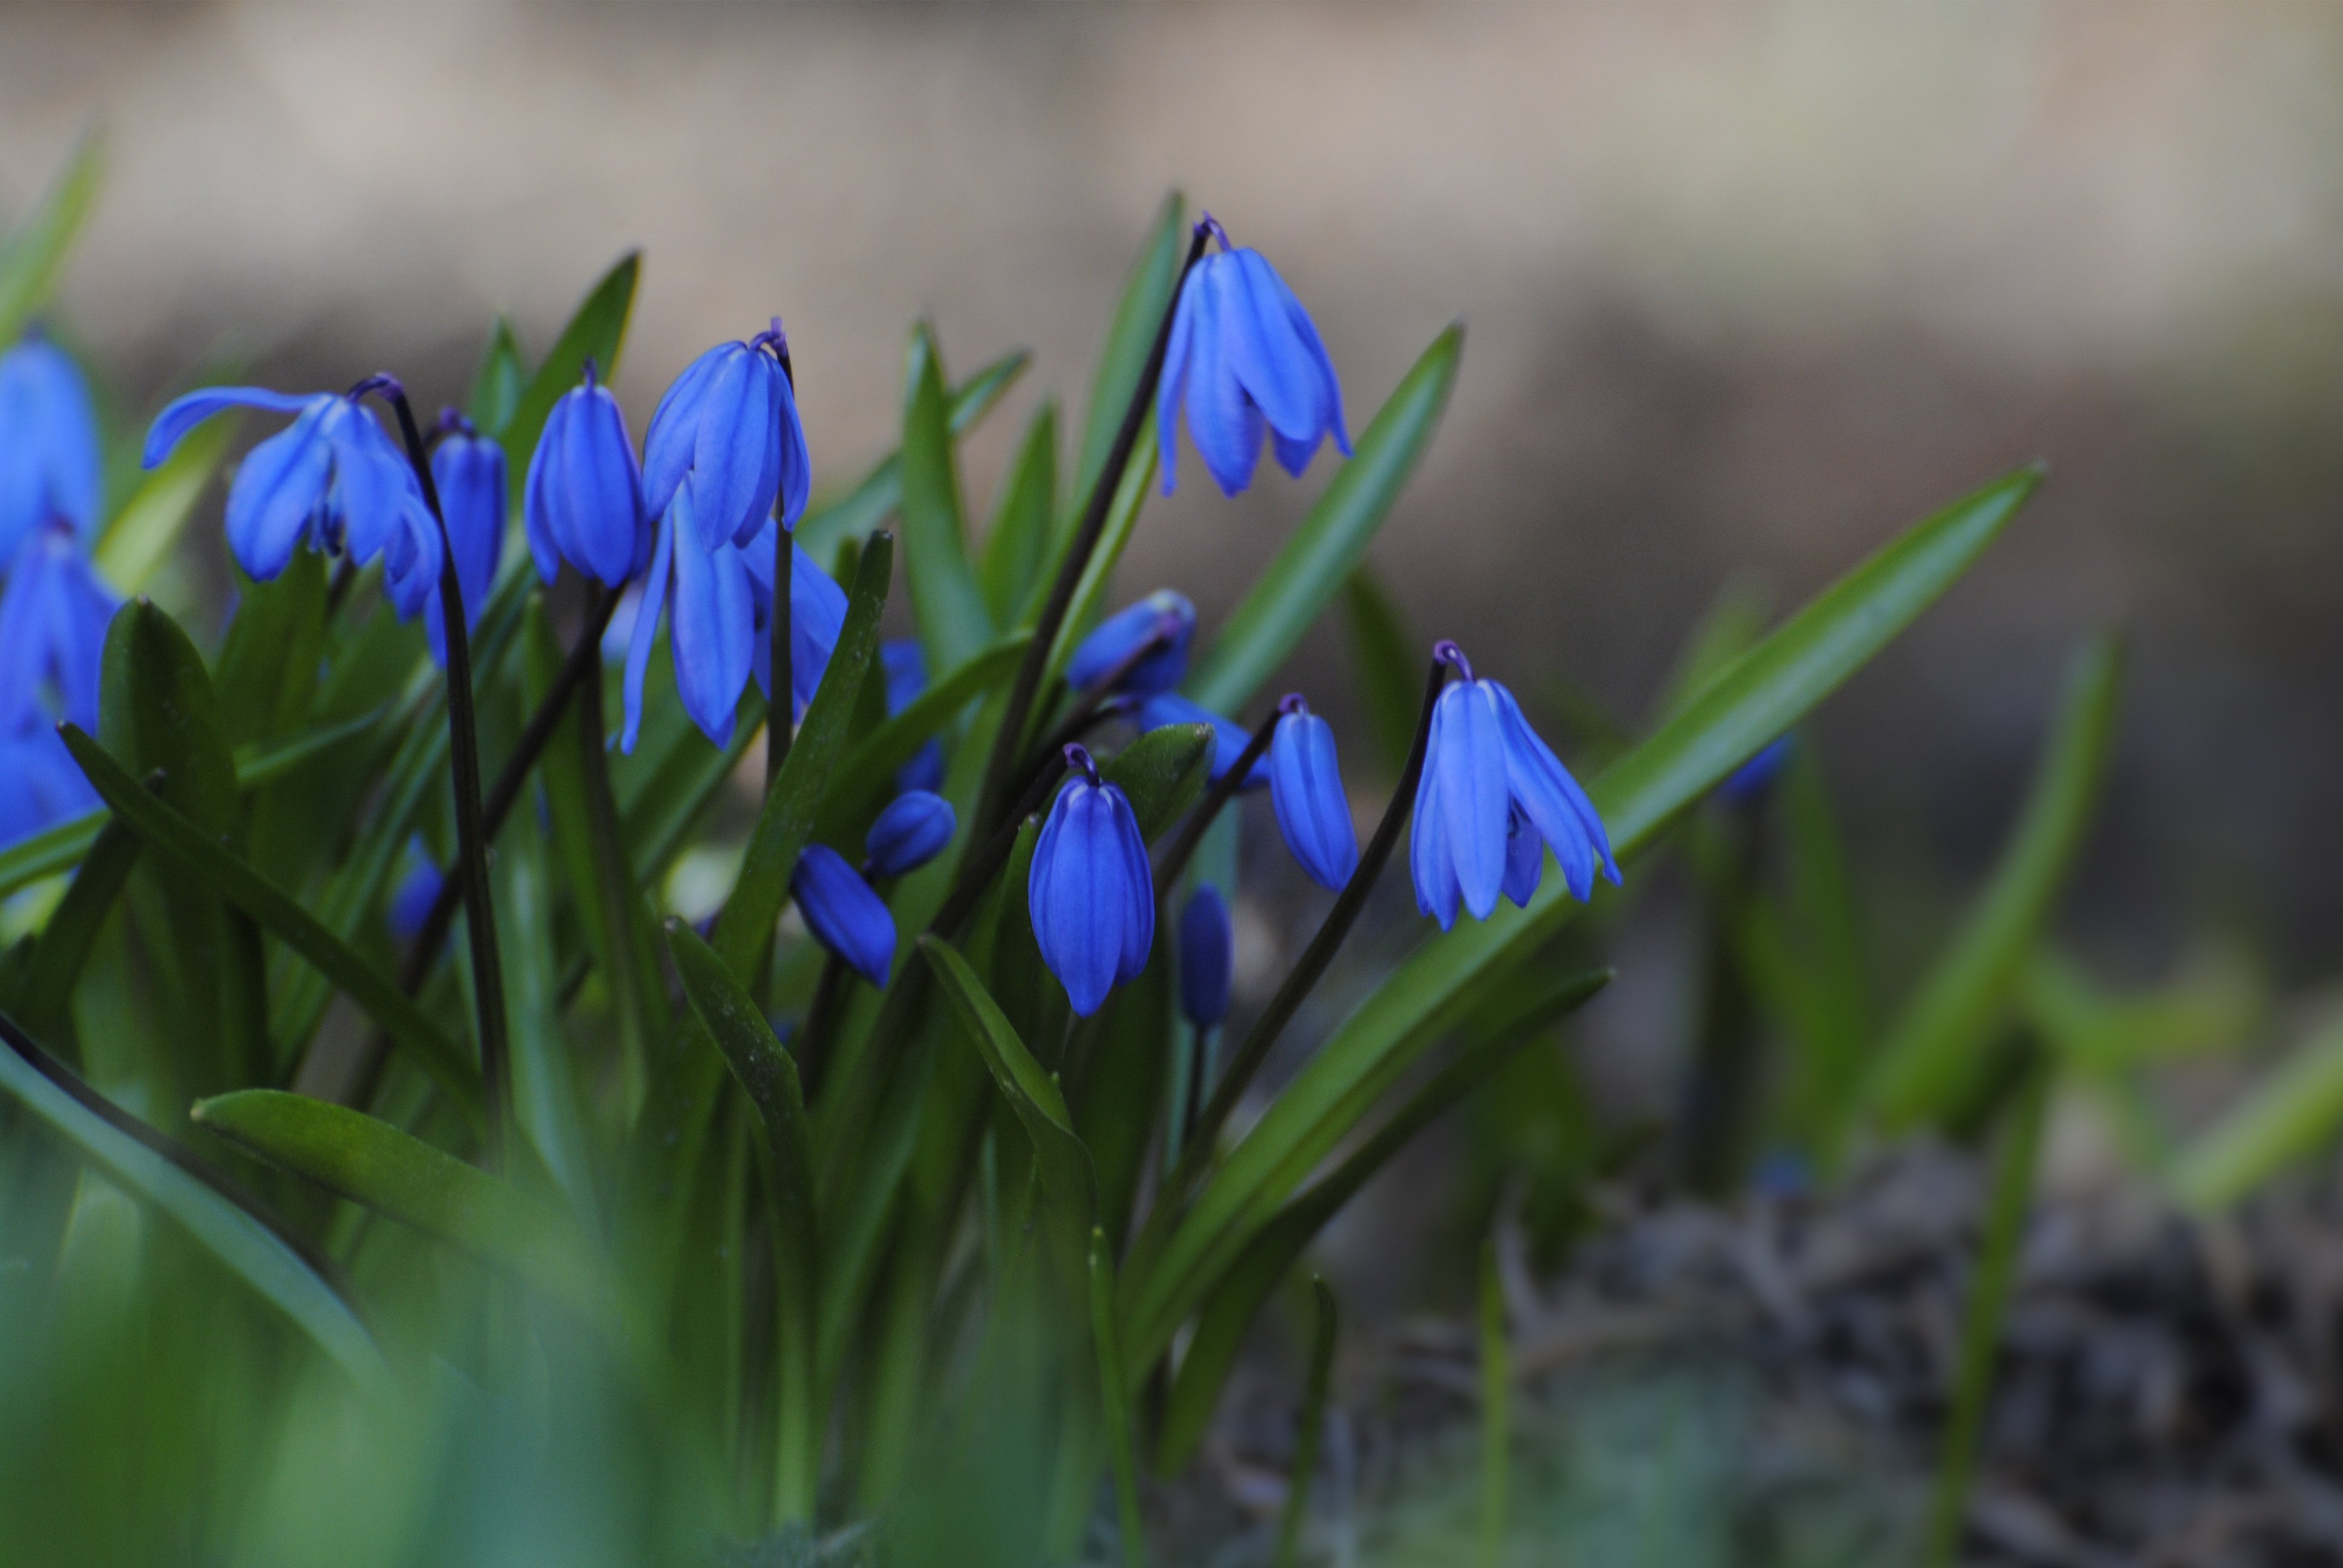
{"points": [[1223, 791], [1306, 974], [1001, 768], [471, 836]]}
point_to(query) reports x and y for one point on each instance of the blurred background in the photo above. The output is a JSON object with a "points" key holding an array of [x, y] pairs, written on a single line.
{"points": [[1748, 288]]}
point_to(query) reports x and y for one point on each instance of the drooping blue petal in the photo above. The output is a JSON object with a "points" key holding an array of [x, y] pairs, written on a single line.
{"points": [[1207, 957], [906, 668], [1089, 895], [734, 461], [469, 471], [1270, 359], [49, 458], [842, 913], [418, 890], [536, 499], [1473, 797], [1430, 864], [1171, 390], [1330, 384], [711, 625], [1245, 361], [1163, 616], [794, 474], [1524, 858], [1229, 737], [53, 619], [668, 443], [279, 494], [817, 615], [913, 830], [585, 489], [184, 414], [645, 633], [1305, 787], [1223, 419], [1551, 798]]}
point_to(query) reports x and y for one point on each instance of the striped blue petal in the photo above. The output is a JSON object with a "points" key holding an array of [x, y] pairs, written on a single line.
{"points": [[646, 631], [711, 625], [1551, 798], [843, 913], [1430, 866], [1305, 787], [913, 829], [183, 414], [669, 442], [1471, 764], [1162, 615], [734, 465], [279, 493], [1089, 894]]}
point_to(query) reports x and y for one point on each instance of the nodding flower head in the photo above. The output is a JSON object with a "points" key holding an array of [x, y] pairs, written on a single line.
{"points": [[913, 830], [583, 502], [1245, 356], [1207, 957], [1147, 641], [727, 428], [332, 480], [844, 915], [1305, 788], [906, 671], [1229, 737], [1091, 894], [53, 621], [469, 471], [1493, 799], [49, 461]]}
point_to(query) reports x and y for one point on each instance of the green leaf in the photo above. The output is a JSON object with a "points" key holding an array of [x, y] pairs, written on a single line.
{"points": [[1766, 691], [1163, 772], [1933, 1054], [853, 515], [142, 535], [598, 332], [787, 820], [946, 599], [1387, 663], [179, 841], [1069, 1198], [1320, 554], [1116, 1400], [862, 781], [1023, 520], [1089, 602], [248, 1249], [42, 994], [1138, 314], [546, 1090], [499, 382], [2290, 1114], [35, 256], [396, 1174]]}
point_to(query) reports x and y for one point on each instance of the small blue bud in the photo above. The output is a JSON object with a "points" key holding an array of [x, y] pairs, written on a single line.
{"points": [[913, 830], [418, 890], [1493, 799], [843, 913], [1091, 894], [1748, 783], [1163, 619], [333, 480], [1305, 787], [1244, 356], [728, 429], [1207, 957], [1229, 737], [49, 460], [53, 619], [469, 471], [906, 670], [583, 502]]}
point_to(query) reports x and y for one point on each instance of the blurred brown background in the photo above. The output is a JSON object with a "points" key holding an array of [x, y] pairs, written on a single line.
{"points": [[1749, 288]]}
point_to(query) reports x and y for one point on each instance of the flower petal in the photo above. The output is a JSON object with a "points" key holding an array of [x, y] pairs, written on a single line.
{"points": [[1473, 792], [668, 443], [711, 626], [1553, 799], [645, 633], [278, 491], [1305, 787], [731, 448], [182, 415], [1207, 957], [1177, 351], [842, 913]]}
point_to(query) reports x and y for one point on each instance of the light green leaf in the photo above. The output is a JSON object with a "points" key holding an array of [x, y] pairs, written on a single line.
{"points": [[597, 332], [1313, 564], [2291, 1114], [498, 383], [35, 256], [1163, 773], [1138, 314], [143, 534], [946, 599], [1023, 521]]}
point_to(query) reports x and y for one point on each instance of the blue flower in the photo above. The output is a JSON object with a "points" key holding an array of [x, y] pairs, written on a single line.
{"points": [[1229, 737], [1243, 354], [843, 913], [1207, 957], [418, 890], [1749, 782], [332, 480], [1091, 894], [719, 606], [913, 830], [40, 784], [49, 462], [53, 621], [728, 429], [905, 670], [469, 471], [1163, 619], [1493, 799], [583, 502], [1305, 787]]}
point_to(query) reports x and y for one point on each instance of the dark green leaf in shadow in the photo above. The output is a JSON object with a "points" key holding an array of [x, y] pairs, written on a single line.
{"points": [[865, 779], [1386, 665], [946, 600], [1023, 521]]}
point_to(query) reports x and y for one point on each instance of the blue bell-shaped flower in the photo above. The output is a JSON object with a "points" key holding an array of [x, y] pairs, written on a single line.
{"points": [[728, 429], [53, 619], [817, 615], [1492, 797], [331, 480], [583, 502], [905, 668], [469, 471], [1244, 356], [1164, 619], [418, 890], [49, 460], [711, 626], [1305, 787], [1229, 737], [1091, 894], [843, 913], [913, 830], [1207, 957]]}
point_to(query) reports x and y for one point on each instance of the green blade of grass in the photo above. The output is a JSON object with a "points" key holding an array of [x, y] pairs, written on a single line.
{"points": [[143, 532], [1314, 1424], [35, 256], [1023, 520], [1122, 356], [947, 602], [1115, 1402], [2288, 1114]]}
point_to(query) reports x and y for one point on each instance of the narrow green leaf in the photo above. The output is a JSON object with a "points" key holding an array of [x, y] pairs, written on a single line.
{"points": [[2291, 1114], [1138, 316], [143, 534], [172, 836], [1115, 1398], [1314, 1422], [862, 782], [1763, 694], [499, 382], [1320, 554], [1023, 521], [597, 332], [546, 1091], [34, 257], [1933, 1051], [396, 1174], [48, 852], [43, 993], [1091, 590], [241, 1244], [1387, 665], [946, 599], [1163, 772], [268, 672]]}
